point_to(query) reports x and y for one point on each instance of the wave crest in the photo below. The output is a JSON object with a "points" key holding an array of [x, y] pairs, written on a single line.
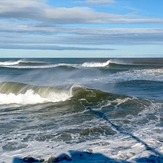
{"points": [[96, 64], [10, 63]]}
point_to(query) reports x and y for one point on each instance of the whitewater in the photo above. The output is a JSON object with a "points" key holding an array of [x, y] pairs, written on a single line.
{"points": [[81, 110]]}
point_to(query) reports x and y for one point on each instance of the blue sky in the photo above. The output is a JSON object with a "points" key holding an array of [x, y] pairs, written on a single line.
{"points": [[81, 28]]}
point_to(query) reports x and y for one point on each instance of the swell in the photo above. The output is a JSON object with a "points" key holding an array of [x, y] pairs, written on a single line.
{"points": [[23, 64], [20, 64]]}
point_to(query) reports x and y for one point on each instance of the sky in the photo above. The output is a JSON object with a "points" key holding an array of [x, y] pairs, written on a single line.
{"points": [[81, 28]]}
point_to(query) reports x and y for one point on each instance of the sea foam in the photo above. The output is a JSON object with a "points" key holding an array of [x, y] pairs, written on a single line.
{"points": [[96, 64], [30, 97]]}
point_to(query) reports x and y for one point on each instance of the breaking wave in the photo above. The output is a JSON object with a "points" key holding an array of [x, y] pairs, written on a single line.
{"points": [[26, 64], [10, 63], [110, 62], [24, 94], [35, 65], [18, 93], [22, 64]]}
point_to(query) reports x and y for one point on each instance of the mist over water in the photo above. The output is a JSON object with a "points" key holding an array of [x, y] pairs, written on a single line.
{"points": [[108, 106]]}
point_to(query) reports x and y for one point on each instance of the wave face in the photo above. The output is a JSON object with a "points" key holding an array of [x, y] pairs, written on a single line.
{"points": [[58, 106]]}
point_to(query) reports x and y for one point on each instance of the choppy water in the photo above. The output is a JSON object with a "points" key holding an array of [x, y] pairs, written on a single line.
{"points": [[112, 107]]}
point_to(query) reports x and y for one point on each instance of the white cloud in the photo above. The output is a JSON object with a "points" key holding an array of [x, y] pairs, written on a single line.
{"points": [[48, 29], [20, 6], [32, 24], [80, 36], [38, 10]]}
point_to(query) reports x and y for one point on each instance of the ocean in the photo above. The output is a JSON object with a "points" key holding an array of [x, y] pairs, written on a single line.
{"points": [[81, 110]]}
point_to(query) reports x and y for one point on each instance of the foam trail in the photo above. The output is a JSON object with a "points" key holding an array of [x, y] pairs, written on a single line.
{"points": [[96, 64], [118, 128]]}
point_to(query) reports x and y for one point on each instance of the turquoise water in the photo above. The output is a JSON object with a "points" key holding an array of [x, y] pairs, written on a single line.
{"points": [[81, 104]]}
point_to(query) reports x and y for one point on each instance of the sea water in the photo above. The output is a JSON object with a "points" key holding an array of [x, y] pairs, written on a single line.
{"points": [[91, 110]]}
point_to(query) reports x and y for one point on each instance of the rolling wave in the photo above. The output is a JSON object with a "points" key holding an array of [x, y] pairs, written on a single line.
{"points": [[38, 66], [24, 94], [125, 62], [22, 64]]}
